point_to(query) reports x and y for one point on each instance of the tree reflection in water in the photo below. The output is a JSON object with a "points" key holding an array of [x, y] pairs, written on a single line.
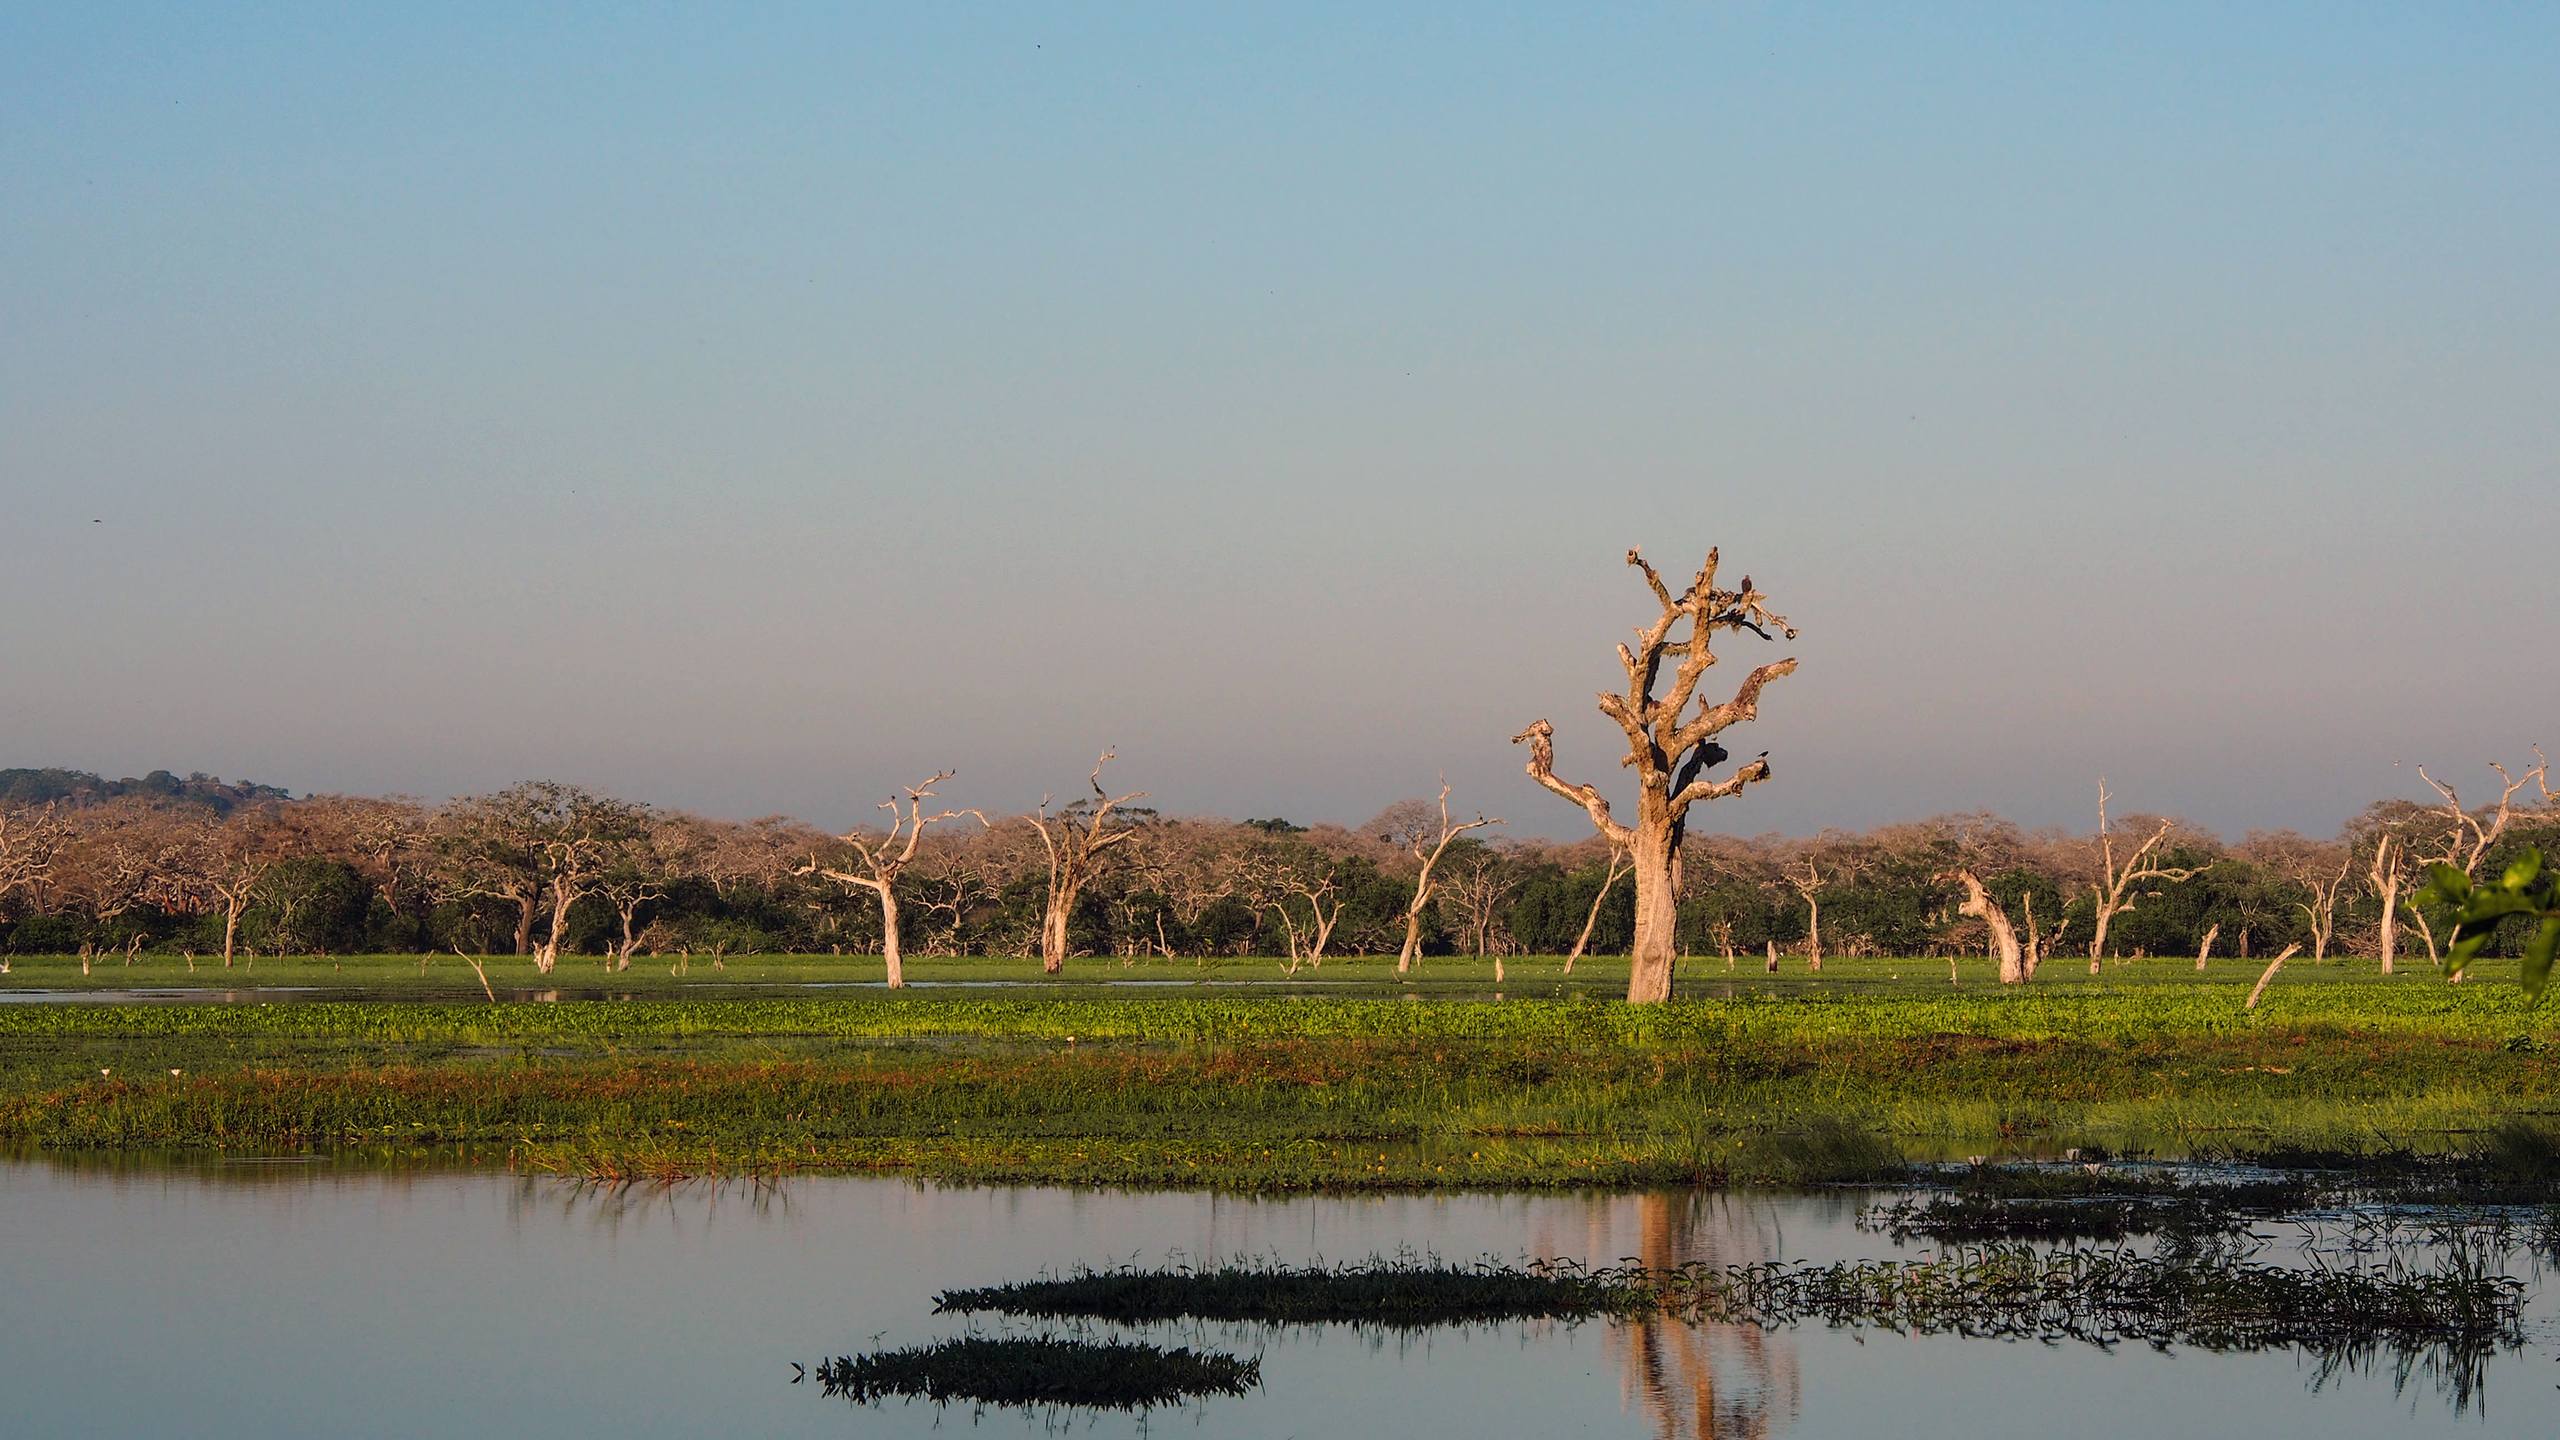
{"points": [[1694, 1381]]}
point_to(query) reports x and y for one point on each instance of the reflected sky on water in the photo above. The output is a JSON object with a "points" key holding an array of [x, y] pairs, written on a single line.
{"points": [[290, 1298]]}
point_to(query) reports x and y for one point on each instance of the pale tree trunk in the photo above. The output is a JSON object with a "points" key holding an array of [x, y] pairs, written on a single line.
{"points": [[2004, 936], [897, 972], [1053, 931], [2206, 948], [1076, 845], [1412, 951], [2110, 892], [630, 938], [1656, 949], [546, 956], [2270, 974], [1582, 942], [524, 923], [1813, 933], [2384, 879], [1324, 924], [1424, 888], [1773, 957]]}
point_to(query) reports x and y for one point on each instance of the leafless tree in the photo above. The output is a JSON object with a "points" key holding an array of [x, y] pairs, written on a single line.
{"points": [[387, 840], [2267, 975], [121, 855], [2316, 870], [1620, 865], [2040, 945], [668, 849], [2112, 893], [1670, 750], [2322, 908], [2464, 835], [1079, 840], [1807, 870], [2384, 875], [884, 858], [2004, 935], [1427, 837], [1295, 885], [230, 859], [2206, 947], [30, 841], [1478, 884], [534, 845]]}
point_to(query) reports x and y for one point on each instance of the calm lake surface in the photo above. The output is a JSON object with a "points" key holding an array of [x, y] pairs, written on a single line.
{"points": [[316, 1299]]}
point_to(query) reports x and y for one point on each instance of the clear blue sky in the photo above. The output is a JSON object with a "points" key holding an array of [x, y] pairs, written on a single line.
{"points": [[753, 411]]}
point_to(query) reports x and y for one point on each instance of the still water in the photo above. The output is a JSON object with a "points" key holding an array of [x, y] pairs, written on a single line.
{"points": [[291, 1299]]}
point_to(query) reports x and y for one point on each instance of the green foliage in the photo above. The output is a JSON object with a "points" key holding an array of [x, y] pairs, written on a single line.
{"points": [[2478, 912]]}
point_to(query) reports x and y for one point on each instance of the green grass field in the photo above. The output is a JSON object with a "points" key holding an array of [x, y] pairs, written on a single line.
{"points": [[1354, 1081], [1533, 976]]}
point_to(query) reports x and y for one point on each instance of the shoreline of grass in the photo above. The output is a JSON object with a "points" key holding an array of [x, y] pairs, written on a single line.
{"points": [[1277, 1093]]}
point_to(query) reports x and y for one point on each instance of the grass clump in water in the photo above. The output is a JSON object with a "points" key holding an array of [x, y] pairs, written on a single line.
{"points": [[1039, 1372], [2192, 1295], [1395, 1294], [2002, 1202]]}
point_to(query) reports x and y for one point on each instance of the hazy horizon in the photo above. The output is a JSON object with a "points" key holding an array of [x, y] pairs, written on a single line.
{"points": [[751, 414]]}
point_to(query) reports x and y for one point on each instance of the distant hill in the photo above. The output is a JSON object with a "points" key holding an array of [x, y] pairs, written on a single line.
{"points": [[79, 787]]}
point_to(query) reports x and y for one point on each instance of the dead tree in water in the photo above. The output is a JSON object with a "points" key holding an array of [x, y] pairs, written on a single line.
{"points": [[2040, 946], [1670, 749], [2004, 936], [1427, 846], [1079, 839], [2384, 877], [885, 859], [2467, 835], [1619, 866], [2111, 892], [2268, 975], [2322, 908]]}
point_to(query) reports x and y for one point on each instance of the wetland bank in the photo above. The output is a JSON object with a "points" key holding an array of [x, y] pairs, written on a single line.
{"points": [[1851, 1078], [742, 1194]]}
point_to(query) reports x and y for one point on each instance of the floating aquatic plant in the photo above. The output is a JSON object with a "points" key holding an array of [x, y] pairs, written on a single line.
{"points": [[1038, 1372]]}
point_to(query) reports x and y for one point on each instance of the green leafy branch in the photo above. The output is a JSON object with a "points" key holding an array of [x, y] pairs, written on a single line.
{"points": [[2478, 912]]}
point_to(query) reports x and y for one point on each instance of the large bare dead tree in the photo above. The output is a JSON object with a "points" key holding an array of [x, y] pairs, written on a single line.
{"points": [[1079, 839], [1427, 839], [2112, 893], [1670, 748], [884, 858]]}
